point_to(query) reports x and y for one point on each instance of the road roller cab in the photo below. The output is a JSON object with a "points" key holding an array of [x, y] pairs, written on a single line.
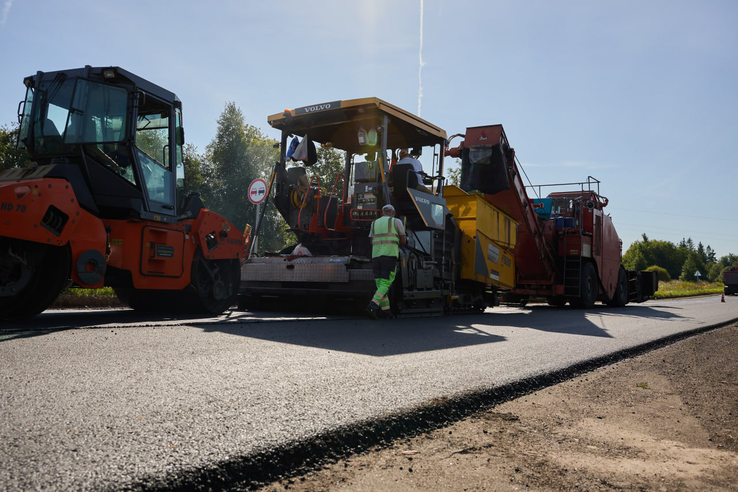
{"points": [[104, 203]]}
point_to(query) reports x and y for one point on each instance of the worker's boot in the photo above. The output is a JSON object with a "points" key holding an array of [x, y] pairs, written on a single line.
{"points": [[372, 309]]}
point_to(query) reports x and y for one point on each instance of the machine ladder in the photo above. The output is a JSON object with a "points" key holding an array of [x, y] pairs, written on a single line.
{"points": [[572, 268]]}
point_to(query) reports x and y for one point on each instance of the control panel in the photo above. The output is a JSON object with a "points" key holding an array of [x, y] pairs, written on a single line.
{"points": [[368, 205], [365, 214]]}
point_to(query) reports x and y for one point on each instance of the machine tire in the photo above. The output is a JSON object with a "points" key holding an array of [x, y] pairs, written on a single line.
{"points": [[588, 288], [558, 301], [620, 296], [43, 271], [216, 283], [206, 295], [124, 295], [152, 301]]}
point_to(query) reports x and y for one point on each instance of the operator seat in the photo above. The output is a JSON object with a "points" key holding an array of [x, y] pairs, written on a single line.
{"points": [[404, 177], [51, 140], [191, 205]]}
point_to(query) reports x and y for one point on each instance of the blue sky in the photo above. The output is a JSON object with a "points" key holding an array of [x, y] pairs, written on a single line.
{"points": [[642, 95]]}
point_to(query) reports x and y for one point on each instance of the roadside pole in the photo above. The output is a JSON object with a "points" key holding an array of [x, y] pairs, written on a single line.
{"points": [[255, 244]]}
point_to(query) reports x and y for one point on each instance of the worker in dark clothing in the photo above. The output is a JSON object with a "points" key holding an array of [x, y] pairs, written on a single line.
{"points": [[388, 235]]}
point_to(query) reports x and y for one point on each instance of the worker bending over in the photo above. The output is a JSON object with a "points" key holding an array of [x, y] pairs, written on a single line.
{"points": [[388, 235]]}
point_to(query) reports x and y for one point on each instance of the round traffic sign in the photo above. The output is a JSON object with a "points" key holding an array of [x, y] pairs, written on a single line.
{"points": [[257, 191]]}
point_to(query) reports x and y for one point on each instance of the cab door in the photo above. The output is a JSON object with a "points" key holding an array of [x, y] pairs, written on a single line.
{"points": [[162, 247], [156, 154]]}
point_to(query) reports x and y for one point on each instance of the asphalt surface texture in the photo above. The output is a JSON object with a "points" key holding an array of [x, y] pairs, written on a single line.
{"points": [[116, 400]]}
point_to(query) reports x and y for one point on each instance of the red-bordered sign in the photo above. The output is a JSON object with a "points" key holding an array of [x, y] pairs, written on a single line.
{"points": [[257, 191]]}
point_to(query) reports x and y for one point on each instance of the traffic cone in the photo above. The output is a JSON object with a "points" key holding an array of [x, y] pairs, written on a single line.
{"points": [[722, 299]]}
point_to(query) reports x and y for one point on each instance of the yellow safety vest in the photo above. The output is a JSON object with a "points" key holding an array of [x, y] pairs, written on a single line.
{"points": [[385, 239]]}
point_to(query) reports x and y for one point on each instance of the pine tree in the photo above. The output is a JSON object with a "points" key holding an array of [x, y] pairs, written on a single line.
{"points": [[710, 253], [701, 252]]}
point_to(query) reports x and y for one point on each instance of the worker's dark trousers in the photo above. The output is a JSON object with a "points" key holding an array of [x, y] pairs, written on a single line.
{"points": [[384, 269]]}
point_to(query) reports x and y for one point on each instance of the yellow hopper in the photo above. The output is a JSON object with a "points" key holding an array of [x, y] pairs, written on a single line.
{"points": [[487, 238]]}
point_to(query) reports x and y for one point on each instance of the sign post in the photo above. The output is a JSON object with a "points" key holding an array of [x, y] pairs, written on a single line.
{"points": [[257, 194], [255, 239]]}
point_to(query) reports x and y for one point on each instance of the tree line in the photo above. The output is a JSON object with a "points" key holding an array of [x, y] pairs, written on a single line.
{"points": [[677, 261]]}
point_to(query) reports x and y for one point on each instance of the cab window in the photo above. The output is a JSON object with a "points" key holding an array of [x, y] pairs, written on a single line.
{"points": [[153, 132]]}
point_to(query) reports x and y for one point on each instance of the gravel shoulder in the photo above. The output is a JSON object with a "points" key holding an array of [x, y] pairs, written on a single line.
{"points": [[666, 420]]}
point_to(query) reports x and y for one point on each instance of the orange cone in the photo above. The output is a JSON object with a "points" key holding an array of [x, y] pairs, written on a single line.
{"points": [[722, 299]]}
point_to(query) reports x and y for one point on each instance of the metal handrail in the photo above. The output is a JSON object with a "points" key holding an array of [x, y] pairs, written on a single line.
{"points": [[304, 201], [590, 181], [330, 197]]}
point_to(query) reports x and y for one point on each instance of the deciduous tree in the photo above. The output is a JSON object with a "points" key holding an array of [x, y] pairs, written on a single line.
{"points": [[238, 154], [195, 168], [10, 156]]}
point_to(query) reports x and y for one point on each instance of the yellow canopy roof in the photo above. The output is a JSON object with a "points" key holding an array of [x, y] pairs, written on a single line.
{"points": [[338, 122]]}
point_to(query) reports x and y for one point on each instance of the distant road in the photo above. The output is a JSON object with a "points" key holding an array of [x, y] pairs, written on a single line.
{"points": [[96, 399]]}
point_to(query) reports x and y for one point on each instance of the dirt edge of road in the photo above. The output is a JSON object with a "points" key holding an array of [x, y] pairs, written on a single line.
{"points": [[289, 465], [666, 420]]}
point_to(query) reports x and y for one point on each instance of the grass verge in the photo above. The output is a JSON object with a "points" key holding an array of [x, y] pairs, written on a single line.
{"points": [[680, 288], [83, 298]]}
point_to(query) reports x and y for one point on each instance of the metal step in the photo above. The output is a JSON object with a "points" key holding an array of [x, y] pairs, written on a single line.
{"points": [[421, 311]]}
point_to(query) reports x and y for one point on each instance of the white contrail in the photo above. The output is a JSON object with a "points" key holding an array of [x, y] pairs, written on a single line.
{"points": [[6, 11], [420, 59]]}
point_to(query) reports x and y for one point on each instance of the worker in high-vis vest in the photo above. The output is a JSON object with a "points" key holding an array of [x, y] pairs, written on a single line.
{"points": [[388, 236]]}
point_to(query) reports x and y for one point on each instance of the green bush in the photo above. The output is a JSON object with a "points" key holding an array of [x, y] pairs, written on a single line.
{"points": [[689, 269], [662, 273]]}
